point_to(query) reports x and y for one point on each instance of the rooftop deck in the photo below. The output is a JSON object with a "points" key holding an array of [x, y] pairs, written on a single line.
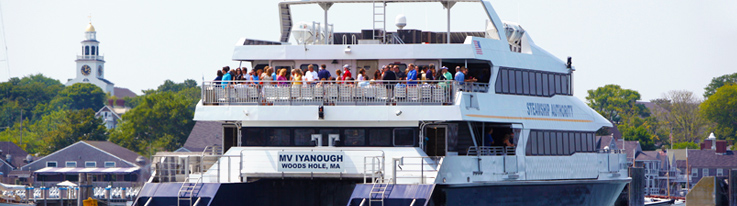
{"points": [[331, 93]]}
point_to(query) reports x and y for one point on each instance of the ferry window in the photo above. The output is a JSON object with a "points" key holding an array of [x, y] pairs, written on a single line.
{"points": [[551, 84], [254, 137], [545, 84], [540, 143], [526, 82], [559, 142], [354, 137], [498, 83], [564, 84], [279, 137], [303, 137], [558, 84], [512, 82], [404, 137], [568, 143], [538, 84], [379, 137], [579, 142], [546, 143], [505, 80], [518, 80]]}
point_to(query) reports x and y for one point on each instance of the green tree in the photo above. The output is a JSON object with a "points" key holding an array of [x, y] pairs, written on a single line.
{"points": [[26, 94], [639, 133], [684, 145], [613, 102], [78, 125], [161, 121], [82, 96], [718, 82], [721, 108], [678, 114]]}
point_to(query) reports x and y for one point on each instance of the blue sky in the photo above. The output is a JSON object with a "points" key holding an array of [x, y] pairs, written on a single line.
{"points": [[650, 46]]}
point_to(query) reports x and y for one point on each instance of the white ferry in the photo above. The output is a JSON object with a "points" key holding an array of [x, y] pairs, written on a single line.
{"points": [[393, 142]]}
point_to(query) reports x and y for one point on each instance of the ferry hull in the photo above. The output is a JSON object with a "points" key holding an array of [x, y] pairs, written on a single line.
{"points": [[530, 193]]}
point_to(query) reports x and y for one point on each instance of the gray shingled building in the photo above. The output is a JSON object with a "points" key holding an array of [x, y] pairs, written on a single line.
{"points": [[105, 161]]}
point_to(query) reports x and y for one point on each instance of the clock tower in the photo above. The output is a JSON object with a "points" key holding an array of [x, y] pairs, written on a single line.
{"points": [[90, 64]]}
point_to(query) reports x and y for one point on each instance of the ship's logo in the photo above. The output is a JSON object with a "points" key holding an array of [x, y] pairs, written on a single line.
{"points": [[477, 46]]}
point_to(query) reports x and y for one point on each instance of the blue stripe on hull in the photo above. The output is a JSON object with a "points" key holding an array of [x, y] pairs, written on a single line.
{"points": [[569, 194]]}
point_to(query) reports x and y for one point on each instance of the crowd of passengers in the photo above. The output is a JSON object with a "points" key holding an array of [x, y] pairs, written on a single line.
{"points": [[412, 75]]}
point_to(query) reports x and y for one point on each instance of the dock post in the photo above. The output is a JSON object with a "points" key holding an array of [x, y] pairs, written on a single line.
{"points": [[636, 187], [732, 188]]}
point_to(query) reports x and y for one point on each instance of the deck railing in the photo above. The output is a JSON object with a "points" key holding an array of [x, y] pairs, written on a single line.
{"points": [[330, 93]]}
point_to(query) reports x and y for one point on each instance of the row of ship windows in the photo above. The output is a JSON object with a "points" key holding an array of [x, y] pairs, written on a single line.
{"points": [[87, 164], [397, 137], [543, 142], [532, 83]]}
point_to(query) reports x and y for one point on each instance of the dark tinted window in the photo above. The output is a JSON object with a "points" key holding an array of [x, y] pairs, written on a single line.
{"points": [[512, 82], [504, 75], [380, 137], [254, 137], [354, 137], [303, 137], [518, 79], [279, 137], [404, 137]]}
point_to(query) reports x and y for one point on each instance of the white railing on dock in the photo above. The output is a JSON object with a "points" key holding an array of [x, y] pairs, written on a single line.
{"points": [[330, 93]]}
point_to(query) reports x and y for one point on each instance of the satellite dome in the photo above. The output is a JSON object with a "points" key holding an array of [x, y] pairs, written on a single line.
{"points": [[401, 21]]}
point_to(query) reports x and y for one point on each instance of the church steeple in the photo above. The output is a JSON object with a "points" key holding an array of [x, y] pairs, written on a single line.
{"points": [[90, 64]]}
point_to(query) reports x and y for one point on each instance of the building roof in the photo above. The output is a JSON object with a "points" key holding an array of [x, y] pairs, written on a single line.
{"points": [[116, 150], [123, 92], [680, 154], [107, 109], [17, 154], [710, 159], [204, 133], [648, 156], [603, 141], [106, 81]]}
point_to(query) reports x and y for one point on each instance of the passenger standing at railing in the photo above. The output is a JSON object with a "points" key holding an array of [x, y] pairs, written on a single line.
{"points": [[377, 74], [412, 74], [489, 139], [347, 73], [253, 77], [311, 75], [323, 74], [297, 76], [339, 76], [265, 77], [447, 76], [430, 73], [389, 75], [226, 76], [273, 74], [361, 75], [282, 77], [219, 77]]}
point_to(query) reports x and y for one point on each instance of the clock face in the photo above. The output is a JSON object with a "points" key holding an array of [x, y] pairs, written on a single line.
{"points": [[99, 70], [86, 70]]}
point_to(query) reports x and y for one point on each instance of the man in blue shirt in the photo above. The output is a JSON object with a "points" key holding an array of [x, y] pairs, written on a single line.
{"points": [[226, 77], [412, 75], [323, 73], [460, 74]]}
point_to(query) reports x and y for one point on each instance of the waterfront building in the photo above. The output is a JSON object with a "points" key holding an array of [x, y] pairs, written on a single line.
{"points": [[204, 134], [13, 157], [105, 161]]}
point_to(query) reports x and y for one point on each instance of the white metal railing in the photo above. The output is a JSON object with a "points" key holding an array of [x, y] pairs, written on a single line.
{"points": [[335, 93], [490, 151], [373, 168], [409, 167], [91, 57]]}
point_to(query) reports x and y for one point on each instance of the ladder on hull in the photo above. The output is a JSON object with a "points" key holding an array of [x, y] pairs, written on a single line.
{"points": [[379, 191], [380, 21], [188, 191]]}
